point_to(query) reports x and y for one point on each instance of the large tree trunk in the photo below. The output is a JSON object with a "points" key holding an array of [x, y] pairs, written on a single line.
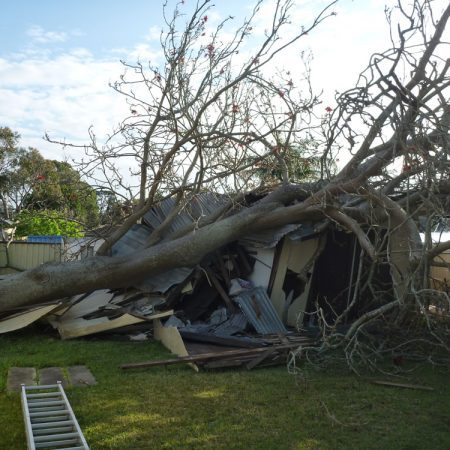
{"points": [[56, 280]]}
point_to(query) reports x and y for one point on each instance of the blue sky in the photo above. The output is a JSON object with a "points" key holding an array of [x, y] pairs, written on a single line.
{"points": [[57, 57], [98, 25]]}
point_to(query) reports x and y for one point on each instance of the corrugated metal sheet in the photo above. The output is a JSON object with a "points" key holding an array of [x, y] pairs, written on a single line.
{"points": [[270, 238], [164, 281], [258, 309], [135, 239], [26, 255], [202, 204], [236, 323]]}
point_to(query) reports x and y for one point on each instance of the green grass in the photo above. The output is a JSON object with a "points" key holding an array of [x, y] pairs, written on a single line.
{"points": [[176, 408]]}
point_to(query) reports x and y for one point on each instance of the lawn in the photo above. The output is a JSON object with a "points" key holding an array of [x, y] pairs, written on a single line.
{"points": [[175, 407]]}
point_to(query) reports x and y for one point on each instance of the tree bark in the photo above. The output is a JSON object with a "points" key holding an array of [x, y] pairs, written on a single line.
{"points": [[57, 280]]}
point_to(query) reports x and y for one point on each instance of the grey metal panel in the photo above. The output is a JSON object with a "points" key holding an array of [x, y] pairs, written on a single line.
{"points": [[268, 238], [164, 281], [134, 239], [26, 255], [236, 323], [305, 232], [258, 309], [202, 204]]}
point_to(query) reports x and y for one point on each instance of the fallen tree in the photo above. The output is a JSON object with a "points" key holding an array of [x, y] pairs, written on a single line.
{"points": [[204, 121]]}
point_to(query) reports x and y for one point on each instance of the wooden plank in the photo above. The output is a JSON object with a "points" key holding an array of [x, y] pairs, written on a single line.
{"points": [[403, 385], [205, 357], [244, 261], [220, 290], [23, 319], [223, 269], [223, 363], [81, 327], [260, 358], [219, 340]]}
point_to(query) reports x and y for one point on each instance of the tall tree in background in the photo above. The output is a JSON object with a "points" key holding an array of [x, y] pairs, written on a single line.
{"points": [[31, 183], [8, 146]]}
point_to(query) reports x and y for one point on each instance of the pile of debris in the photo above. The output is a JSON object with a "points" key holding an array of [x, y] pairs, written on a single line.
{"points": [[220, 306]]}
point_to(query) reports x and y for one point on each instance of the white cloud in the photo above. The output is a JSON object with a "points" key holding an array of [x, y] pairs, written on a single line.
{"points": [[154, 33], [41, 36], [143, 52], [61, 94]]}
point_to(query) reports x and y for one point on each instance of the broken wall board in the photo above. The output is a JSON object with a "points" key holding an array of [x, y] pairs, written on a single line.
{"points": [[295, 256], [263, 265], [88, 304], [23, 319], [82, 327], [171, 338]]}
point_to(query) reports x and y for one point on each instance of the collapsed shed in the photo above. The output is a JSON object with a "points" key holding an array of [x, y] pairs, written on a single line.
{"points": [[260, 291]]}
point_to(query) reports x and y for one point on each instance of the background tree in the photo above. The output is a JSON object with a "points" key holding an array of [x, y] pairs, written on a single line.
{"points": [[29, 182], [46, 223], [300, 162], [8, 145]]}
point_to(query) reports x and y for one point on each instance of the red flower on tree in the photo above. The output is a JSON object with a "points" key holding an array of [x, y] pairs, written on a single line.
{"points": [[210, 49], [328, 109], [407, 168]]}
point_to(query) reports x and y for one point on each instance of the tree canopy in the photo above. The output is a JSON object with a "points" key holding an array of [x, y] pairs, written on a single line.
{"points": [[33, 185]]}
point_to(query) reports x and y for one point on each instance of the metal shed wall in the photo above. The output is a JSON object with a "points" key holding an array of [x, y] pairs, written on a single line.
{"points": [[26, 255]]}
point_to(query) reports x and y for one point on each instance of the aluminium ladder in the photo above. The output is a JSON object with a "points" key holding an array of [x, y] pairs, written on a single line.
{"points": [[49, 420]]}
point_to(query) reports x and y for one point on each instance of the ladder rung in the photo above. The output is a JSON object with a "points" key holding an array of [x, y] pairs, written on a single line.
{"points": [[55, 437], [39, 401], [43, 404], [61, 444], [42, 387], [47, 419], [61, 423], [54, 430], [61, 412], [76, 448], [45, 398], [49, 410], [44, 394]]}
